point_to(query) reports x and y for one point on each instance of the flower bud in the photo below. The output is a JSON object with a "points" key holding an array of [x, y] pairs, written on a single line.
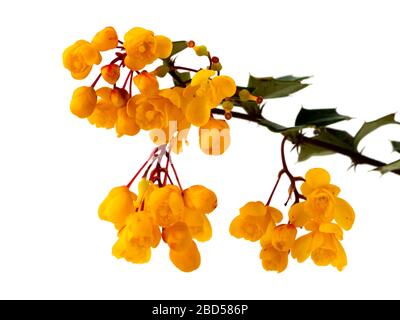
{"points": [[83, 102], [110, 73]]}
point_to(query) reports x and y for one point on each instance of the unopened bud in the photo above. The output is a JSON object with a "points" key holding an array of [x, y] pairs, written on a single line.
{"points": [[110, 73], [227, 105], [201, 50]]}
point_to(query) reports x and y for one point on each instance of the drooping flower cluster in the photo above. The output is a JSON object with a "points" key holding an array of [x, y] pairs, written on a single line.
{"points": [[159, 211], [167, 113], [323, 214]]}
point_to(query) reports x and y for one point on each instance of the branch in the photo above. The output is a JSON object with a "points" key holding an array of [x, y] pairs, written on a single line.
{"points": [[300, 139]]}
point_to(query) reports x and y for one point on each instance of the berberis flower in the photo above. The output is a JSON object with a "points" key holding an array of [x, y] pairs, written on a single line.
{"points": [[79, 59], [143, 47], [160, 210], [322, 205], [128, 95]]}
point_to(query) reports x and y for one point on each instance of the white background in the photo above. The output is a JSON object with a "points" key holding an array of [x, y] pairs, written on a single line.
{"points": [[56, 169]]}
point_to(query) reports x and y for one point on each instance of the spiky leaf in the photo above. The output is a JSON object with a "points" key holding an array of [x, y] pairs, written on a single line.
{"points": [[178, 46], [336, 138], [396, 145], [393, 166], [269, 87], [371, 126], [318, 117]]}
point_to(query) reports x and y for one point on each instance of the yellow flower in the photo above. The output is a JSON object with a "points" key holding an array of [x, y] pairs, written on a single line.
{"points": [[119, 97], [200, 198], [214, 137], [143, 47], [166, 205], [149, 112], [198, 224], [137, 238], [186, 260], [324, 248], [141, 230], [273, 259], [177, 236], [79, 59], [276, 243], [110, 73], [146, 83], [284, 237], [177, 127], [83, 102], [126, 124], [105, 113], [322, 204], [105, 39], [253, 220], [131, 253], [204, 93], [117, 206]]}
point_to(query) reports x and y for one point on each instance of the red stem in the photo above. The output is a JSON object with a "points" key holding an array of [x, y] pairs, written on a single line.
{"points": [[127, 78], [166, 171], [292, 179], [275, 186], [141, 168], [96, 80], [175, 173], [130, 85]]}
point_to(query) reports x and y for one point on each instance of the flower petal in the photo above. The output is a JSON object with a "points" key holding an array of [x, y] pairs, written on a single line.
{"points": [[276, 215], [331, 228], [201, 76], [224, 86], [163, 46], [341, 259], [302, 248], [197, 112], [317, 177], [298, 215], [344, 214]]}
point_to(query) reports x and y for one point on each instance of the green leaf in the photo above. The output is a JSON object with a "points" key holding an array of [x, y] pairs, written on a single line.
{"points": [[183, 76], [308, 151], [318, 117], [371, 126], [393, 166], [396, 145], [339, 138], [292, 78], [178, 46], [251, 108], [269, 87]]}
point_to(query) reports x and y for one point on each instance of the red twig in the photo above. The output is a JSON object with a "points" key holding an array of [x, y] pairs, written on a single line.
{"points": [[141, 168], [173, 168]]}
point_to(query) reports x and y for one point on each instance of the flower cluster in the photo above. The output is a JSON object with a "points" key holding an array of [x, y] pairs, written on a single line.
{"points": [[322, 213], [162, 209], [159, 211], [166, 113]]}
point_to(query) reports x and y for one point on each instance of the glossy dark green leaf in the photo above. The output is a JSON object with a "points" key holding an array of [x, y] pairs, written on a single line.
{"points": [[251, 108], [393, 166], [178, 46], [396, 145], [183, 77], [318, 117], [371, 126], [308, 151], [334, 137], [269, 87]]}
